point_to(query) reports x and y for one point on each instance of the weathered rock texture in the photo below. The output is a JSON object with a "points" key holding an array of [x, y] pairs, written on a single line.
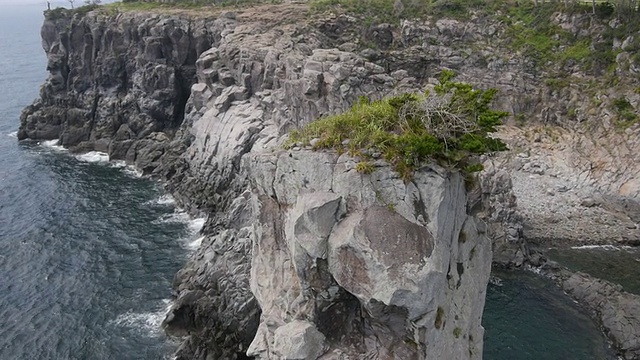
{"points": [[352, 266], [117, 84], [302, 256]]}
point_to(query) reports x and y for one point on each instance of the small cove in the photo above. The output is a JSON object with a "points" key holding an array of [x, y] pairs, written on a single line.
{"points": [[615, 264], [529, 317]]}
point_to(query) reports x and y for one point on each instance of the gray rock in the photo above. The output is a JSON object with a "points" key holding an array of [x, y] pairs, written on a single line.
{"points": [[298, 340], [618, 311], [589, 202], [379, 259]]}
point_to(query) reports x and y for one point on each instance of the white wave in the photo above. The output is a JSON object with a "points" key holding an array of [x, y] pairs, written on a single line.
{"points": [[533, 269], [94, 157], [119, 164], [132, 171], [53, 144], [195, 244], [195, 225], [166, 199], [178, 216], [592, 247], [13, 134], [147, 322], [127, 169], [495, 281]]}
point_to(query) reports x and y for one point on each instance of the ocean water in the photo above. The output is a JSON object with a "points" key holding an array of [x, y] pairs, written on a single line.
{"points": [[527, 317], [620, 265], [88, 249]]}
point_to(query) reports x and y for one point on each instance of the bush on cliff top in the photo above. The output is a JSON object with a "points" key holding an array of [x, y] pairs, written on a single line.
{"points": [[61, 12], [450, 125]]}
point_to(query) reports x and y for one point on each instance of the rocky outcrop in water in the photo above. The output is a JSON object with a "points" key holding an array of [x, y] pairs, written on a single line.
{"points": [[617, 311], [117, 84]]}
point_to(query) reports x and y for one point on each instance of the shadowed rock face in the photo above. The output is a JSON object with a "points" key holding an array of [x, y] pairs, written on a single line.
{"points": [[117, 86]]}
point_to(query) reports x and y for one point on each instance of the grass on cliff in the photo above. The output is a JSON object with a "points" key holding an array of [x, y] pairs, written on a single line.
{"points": [[135, 5], [393, 10], [449, 125], [61, 12], [529, 28]]}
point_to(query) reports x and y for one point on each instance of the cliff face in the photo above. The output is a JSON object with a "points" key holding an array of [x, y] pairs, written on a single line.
{"points": [[117, 84], [303, 257], [373, 266], [310, 222]]}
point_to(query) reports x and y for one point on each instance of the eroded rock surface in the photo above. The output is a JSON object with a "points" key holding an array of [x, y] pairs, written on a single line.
{"points": [[406, 255], [303, 257]]}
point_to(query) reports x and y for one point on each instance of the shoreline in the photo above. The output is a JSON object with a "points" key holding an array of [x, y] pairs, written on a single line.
{"points": [[205, 116], [616, 311]]}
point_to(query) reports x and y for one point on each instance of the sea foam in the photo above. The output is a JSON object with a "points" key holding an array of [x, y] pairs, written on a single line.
{"points": [[195, 244], [53, 144], [148, 322], [178, 216], [195, 225], [13, 134], [596, 247], [94, 157], [126, 169], [164, 200]]}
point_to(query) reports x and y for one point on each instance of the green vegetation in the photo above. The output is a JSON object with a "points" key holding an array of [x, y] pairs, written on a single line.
{"points": [[60, 12], [530, 27], [449, 125], [531, 30], [133, 5], [393, 11], [625, 111], [536, 35], [365, 167], [439, 318], [457, 332], [578, 51]]}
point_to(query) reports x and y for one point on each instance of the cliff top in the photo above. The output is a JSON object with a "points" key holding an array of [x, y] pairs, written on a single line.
{"points": [[273, 13]]}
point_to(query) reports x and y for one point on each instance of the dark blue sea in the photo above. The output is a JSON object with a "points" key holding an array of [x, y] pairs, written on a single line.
{"points": [[88, 249]]}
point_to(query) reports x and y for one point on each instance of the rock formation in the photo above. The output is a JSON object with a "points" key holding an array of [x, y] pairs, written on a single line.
{"points": [[302, 256], [373, 266], [616, 310]]}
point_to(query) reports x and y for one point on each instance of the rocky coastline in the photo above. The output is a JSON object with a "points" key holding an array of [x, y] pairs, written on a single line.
{"points": [[204, 102]]}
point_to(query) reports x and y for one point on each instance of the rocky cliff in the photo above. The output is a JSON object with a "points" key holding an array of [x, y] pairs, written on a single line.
{"points": [[304, 257]]}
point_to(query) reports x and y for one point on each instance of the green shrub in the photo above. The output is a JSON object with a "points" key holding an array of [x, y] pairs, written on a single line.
{"points": [[393, 10], [450, 125], [457, 332], [625, 111], [578, 51], [59, 13], [622, 104], [365, 167]]}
